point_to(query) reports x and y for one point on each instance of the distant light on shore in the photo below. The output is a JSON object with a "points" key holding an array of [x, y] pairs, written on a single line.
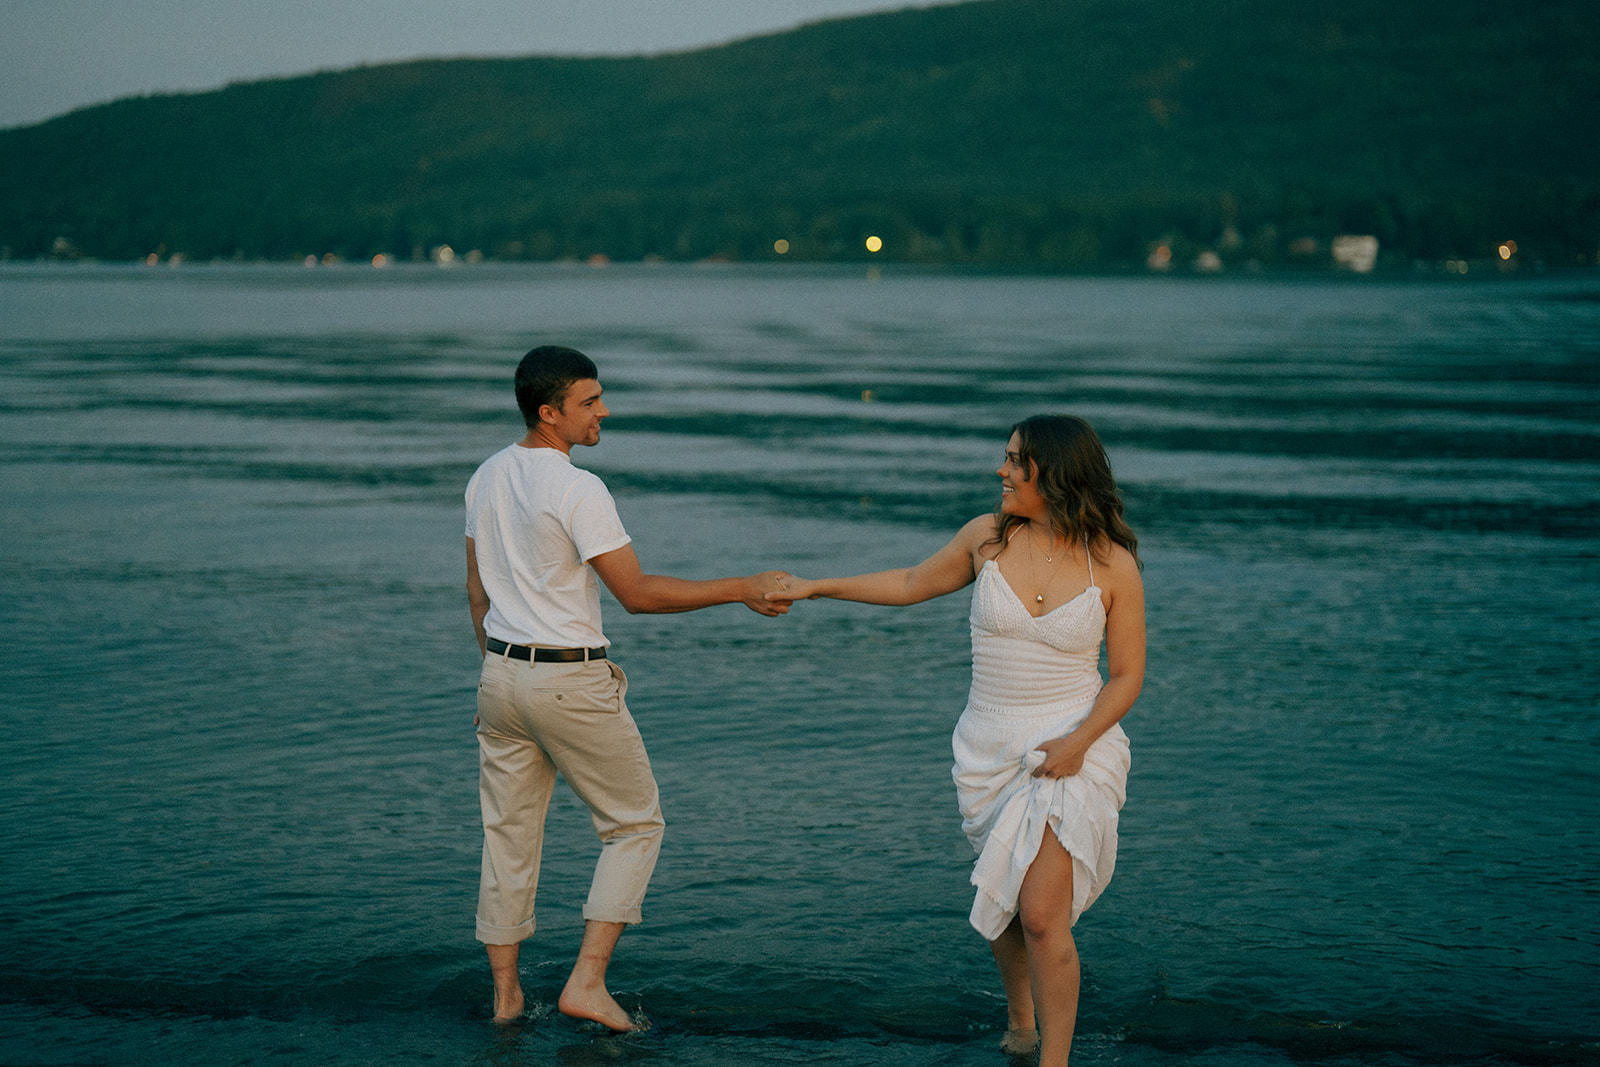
{"points": [[780, 246], [1355, 252], [874, 244]]}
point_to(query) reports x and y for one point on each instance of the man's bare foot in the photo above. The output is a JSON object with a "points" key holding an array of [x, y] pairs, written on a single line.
{"points": [[599, 1006], [1020, 1042], [508, 1006]]}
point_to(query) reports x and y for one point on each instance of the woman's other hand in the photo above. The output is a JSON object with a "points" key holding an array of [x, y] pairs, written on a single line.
{"points": [[1063, 757]]}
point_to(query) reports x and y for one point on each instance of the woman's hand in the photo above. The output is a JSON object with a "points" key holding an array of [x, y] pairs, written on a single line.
{"points": [[794, 589], [1063, 757]]}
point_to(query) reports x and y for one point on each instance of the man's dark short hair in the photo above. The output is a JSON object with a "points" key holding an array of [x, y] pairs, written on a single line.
{"points": [[545, 375]]}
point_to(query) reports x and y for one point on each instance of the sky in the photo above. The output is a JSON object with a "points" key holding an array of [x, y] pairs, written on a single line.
{"points": [[58, 55]]}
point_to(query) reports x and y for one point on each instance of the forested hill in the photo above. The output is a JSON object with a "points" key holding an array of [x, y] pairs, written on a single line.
{"points": [[1070, 134]]}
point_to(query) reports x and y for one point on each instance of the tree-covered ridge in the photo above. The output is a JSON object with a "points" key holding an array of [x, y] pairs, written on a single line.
{"points": [[1055, 133]]}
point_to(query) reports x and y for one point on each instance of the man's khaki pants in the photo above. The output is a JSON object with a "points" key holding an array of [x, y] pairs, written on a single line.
{"points": [[537, 719]]}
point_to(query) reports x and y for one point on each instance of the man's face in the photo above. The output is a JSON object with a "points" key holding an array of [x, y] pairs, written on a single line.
{"points": [[577, 420]]}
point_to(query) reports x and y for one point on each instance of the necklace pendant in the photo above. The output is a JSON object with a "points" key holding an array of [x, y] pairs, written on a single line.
{"points": [[1039, 599]]}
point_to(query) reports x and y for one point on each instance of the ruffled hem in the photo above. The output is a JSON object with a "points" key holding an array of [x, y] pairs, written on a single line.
{"points": [[1080, 810]]}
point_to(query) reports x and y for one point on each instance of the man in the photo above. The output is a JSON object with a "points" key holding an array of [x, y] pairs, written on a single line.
{"points": [[539, 531]]}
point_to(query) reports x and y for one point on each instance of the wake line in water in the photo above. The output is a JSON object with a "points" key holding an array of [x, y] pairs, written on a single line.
{"points": [[1196, 1026], [377, 987]]}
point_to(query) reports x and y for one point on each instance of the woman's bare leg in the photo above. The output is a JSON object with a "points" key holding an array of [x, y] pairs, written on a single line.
{"points": [[507, 982], [1045, 908], [1011, 956], [585, 995]]}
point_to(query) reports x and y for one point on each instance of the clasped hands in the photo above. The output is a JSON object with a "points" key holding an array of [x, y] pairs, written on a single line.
{"points": [[766, 595], [772, 592]]}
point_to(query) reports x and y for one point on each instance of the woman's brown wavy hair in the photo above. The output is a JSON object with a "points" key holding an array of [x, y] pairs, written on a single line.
{"points": [[1074, 477]]}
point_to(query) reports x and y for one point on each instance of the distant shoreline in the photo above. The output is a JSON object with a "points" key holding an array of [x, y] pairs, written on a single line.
{"points": [[1482, 270]]}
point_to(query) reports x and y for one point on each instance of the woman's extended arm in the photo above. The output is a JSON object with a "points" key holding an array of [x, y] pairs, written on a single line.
{"points": [[1125, 647], [945, 571]]}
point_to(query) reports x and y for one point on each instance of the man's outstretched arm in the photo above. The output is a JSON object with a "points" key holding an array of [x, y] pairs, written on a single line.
{"points": [[659, 594]]}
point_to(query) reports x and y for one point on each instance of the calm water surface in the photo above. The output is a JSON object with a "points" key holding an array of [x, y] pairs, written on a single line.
{"points": [[238, 791]]}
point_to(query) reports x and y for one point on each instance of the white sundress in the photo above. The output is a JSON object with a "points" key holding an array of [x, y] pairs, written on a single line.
{"points": [[1034, 679]]}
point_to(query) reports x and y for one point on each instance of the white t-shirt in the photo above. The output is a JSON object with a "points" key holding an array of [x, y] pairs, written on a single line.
{"points": [[535, 521]]}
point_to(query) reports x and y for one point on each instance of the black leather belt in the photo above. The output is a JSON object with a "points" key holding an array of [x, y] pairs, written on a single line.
{"points": [[544, 655]]}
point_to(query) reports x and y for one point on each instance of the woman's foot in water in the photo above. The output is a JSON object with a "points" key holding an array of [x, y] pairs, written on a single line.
{"points": [[1020, 1042]]}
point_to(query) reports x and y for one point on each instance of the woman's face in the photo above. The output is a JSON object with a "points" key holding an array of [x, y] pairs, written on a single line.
{"points": [[1019, 492]]}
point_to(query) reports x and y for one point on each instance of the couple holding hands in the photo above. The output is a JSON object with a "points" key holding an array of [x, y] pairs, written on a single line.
{"points": [[1041, 763]]}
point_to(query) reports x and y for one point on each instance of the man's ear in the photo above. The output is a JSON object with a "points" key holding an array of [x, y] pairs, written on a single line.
{"points": [[548, 413]]}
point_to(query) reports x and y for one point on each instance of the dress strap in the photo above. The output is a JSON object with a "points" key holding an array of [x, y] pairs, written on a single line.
{"points": [[1090, 557], [1009, 538]]}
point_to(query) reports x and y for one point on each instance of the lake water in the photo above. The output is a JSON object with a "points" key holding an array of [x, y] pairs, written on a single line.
{"points": [[238, 786]]}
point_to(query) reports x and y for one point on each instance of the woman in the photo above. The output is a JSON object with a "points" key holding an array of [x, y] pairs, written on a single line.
{"points": [[1041, 764]]}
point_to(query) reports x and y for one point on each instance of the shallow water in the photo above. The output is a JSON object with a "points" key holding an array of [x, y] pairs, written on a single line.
{"points": [[238, 795]]}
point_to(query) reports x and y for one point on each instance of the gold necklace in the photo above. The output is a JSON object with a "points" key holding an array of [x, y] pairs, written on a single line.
{"points": [[1048, 558]]}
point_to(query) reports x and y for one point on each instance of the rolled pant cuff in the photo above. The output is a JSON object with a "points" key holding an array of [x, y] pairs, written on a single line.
{"points": [[505, 935], [630, 916]]}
